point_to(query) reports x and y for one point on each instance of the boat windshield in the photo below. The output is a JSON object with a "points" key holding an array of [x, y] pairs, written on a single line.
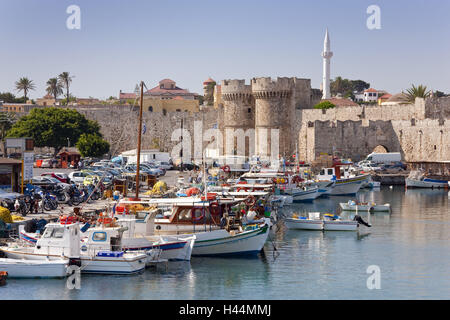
{"points": [[54, 233]]}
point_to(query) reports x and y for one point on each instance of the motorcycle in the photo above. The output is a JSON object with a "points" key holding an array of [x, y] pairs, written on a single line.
{"points": [[22, 206]]}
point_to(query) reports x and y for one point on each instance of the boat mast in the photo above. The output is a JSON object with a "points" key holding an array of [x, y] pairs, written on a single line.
{"points": [[139, 140]]}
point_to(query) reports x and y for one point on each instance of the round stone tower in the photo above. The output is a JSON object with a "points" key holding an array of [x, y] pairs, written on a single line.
{"points": [[274, 109], [239, 113]]}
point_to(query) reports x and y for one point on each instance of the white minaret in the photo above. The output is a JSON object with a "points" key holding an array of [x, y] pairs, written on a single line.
{"points": [[326, 54]]}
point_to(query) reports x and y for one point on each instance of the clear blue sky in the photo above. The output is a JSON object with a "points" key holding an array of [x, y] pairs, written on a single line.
{"points": [[123, 42]]}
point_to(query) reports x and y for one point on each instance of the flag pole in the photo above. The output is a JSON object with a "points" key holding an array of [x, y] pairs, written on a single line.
{"points": [[138, 160]]}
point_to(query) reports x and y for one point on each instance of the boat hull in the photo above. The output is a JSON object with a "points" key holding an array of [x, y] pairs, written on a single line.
{"points": [[172, 250], [221, 243], [304, 224], [300, 195], [348, 186], [128, 264], [19, 268], [426, 183], [339, 225], [359, 207]]}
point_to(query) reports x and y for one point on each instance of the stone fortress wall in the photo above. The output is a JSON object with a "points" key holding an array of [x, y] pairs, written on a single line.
{"points": [[420, 131]]}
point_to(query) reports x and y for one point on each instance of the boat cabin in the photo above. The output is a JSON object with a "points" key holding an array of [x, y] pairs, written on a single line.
{"points": [[103, 239], [59, 239], [338, 171]]}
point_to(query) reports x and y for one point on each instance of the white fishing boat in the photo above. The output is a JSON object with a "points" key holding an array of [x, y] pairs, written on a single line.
{"points": [[303, 194], [346, 183], [312, 222], [219, 231], [99, 252], [325, 187], [417, 179], [368, 206], [21, 268]]}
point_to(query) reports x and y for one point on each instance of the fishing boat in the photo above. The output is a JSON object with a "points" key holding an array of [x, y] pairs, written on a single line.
{"points": [[99, 252], [346, 183], [336, 223], [372, 206], [312, 222], [220, 226], [303, 194], [417, 179], [21, 268]]}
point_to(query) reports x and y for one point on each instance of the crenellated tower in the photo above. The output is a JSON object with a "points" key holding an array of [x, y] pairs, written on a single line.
{"points": [[274, 109], [239, 114]]}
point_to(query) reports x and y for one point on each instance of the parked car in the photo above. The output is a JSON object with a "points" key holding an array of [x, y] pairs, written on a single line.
{"points": [[57, 175], [47, 163], [165, 165]]}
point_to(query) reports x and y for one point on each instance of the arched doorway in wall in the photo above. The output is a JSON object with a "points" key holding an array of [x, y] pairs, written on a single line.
{"points": [[380, 149]]}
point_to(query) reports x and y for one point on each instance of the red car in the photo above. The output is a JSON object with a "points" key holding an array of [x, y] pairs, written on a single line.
{"points": [[58, 175]]}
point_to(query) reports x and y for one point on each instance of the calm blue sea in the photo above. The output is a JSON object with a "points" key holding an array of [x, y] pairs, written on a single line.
{"points": [[410, 246]]}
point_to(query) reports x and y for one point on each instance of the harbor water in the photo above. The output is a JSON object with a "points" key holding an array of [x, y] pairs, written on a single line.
{"points": [[410, 247]]}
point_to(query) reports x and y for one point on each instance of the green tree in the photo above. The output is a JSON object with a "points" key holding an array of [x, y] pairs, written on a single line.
{"points": [[209, 96], [324, 105], [92, 145], [346, 87], [416, 92], [7, 120], [24, 84], [51, 127], [54, 88], [65, 80], [71, 99]]}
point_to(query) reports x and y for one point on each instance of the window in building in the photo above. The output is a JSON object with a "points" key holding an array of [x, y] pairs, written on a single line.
{"points": [[150, 109], [178, 110], [249, 110], [164, 112]]}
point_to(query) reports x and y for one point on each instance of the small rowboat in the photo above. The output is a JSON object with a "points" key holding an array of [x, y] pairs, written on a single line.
{"points": [[313, 222], [373, 207], [335, 223]]}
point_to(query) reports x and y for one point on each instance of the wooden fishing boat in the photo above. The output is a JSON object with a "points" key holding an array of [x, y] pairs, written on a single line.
{"points": [[219, 230]]}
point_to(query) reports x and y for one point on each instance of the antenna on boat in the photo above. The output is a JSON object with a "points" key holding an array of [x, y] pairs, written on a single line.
{"points": [[138, 160]]}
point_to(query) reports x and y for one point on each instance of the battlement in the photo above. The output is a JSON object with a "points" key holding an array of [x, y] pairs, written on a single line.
{"points": [[235, 89], [266, 88]]}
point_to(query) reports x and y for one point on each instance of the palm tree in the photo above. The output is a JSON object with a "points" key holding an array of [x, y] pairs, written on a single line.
{"points": [[65, 79], [54, 88], [416, 92], [25, 85]]}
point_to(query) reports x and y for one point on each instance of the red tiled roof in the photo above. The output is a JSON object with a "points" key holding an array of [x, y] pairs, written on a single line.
{"points": [[386, 96], [370, 90], [166, 81], [176, 90], [124, 95], [178, 98], [341, 102]]}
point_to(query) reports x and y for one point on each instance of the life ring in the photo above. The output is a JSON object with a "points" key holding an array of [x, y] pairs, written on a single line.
{"points": [[226, 168], [250, 201], [194, 217], [214, 209]]}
